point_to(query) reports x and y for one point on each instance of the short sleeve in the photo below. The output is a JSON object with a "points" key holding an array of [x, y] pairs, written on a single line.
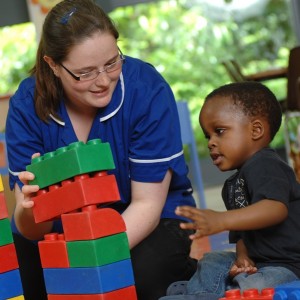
{"points": [[22, 131], [155, 144], [268, 179]]}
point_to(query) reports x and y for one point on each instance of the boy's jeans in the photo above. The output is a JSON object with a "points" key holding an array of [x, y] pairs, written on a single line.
{"points": [[212, 276]]}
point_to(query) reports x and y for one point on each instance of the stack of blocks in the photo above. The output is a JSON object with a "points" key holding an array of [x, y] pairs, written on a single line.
{"points": [[91, 259], [10, 280]]}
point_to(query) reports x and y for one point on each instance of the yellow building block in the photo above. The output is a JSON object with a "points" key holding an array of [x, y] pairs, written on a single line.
{"points": [[1, 185], [17, 298]]}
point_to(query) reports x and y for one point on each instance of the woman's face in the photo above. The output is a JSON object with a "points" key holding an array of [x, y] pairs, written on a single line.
{"points": [[93, 54], [228, 131]]}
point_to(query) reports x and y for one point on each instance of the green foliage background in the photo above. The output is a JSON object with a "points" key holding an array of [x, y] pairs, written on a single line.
{"points": [[184, 42]]}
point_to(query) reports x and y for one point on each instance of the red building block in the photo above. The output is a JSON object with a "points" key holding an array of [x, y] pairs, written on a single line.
{"points": [[251, 294], [8, 258], [72, 195], [92, 223], [3, 207], [53, 251], [127, 293]]}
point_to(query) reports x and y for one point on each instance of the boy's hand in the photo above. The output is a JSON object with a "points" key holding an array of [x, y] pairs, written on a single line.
{"points": [[242, 265], [205, 221]]}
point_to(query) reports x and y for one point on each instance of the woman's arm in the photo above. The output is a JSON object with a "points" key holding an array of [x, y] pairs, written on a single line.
{"points": [[143, 214], [23, 214]]}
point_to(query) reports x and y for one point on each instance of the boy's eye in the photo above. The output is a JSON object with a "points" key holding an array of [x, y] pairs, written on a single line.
{"points": [[220, 130]]}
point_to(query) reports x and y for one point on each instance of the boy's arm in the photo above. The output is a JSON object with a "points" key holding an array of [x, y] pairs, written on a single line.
{"points": [[259, 215], [243, 263]]}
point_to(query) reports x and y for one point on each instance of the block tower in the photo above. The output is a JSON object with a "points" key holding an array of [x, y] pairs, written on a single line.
{"points": [[10, 280], [91, 258]]}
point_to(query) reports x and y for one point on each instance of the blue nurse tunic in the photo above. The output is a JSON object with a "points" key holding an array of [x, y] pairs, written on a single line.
{"points": [[140, 123]]}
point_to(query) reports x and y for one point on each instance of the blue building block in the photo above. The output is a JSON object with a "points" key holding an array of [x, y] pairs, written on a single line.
{"points": [[10, 285], [288, 291], [95, 280]]}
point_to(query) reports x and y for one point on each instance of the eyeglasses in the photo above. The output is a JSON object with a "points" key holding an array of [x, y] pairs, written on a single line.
{"points": [[94, 74]]}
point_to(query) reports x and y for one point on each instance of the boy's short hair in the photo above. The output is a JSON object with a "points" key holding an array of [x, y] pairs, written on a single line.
{"points": [[254, 99]]}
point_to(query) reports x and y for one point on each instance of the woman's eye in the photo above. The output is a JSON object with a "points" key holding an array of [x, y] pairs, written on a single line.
{"points": [[86, 75]]}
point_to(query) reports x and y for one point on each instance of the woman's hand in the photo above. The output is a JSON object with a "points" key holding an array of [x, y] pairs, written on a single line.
{"points": [[27, 190], [23, 213]]}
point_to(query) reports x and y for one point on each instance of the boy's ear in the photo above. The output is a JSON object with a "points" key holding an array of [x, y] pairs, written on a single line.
{"points": [[258, 129]]}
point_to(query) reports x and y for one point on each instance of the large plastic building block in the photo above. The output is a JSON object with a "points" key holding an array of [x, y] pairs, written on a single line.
{"points": [[17, 298], [3, 207], [66, 162], [10, 284], [288, 291], [72, 195], [5, 232], [92, 223], [99, 252], [127, 293], [8, 258], [250, 294], [1, 185], [96, 280], [53, 251]]}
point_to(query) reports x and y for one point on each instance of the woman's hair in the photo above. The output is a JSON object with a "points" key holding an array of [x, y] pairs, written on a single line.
{"points": [[69, 23], [254, 99]]}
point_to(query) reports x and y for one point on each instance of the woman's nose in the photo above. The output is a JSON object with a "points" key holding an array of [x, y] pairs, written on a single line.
{"points": [[102, 79]]}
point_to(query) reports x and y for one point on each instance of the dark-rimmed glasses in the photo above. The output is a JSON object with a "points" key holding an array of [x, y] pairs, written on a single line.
{"points": [[94, 74]]}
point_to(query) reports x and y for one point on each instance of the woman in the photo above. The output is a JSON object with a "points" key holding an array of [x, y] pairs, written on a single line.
{"points": [[82, 87]]}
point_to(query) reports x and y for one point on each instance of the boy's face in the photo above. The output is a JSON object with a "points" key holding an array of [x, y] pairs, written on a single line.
{"points": [[228, 131]]}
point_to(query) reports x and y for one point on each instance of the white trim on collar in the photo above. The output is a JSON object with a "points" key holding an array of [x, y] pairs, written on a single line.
{"points": [[103, 118], [57, 121], [122, 100]]}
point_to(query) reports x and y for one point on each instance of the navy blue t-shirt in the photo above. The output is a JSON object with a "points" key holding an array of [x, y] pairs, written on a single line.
{"points": [[266, 176]]}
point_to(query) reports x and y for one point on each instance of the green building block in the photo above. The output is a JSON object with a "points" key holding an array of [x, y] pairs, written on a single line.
{"points": [[5, 232], [99, 252], [67, 162]]}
